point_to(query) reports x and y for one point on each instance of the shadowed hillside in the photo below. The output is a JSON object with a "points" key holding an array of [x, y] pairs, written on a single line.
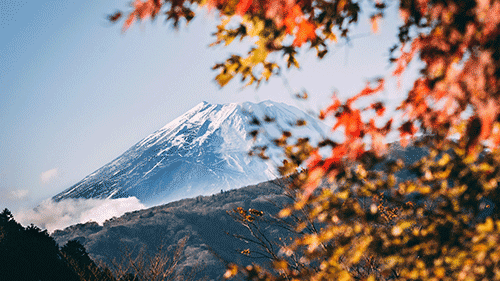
{"points": [[202, 219]]}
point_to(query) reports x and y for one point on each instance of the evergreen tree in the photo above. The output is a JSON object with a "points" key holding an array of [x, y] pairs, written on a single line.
{"points": [[78, 259], [30, 253]]}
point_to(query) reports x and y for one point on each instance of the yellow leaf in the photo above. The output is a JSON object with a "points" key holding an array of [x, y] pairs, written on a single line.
{"points": [[266, 73], [343, 195], [246, 252], [344, 276], [439, 272], [487, 226], [228, 40], [333, 37], [223, 79], [280, 265], [479, 248], [231, 271], [424, 189], [250, 82], [285, 213], [397, 230], [405, 224], [391, 180], [485, 167], [259, 55], [444, 160], [257, 27]]}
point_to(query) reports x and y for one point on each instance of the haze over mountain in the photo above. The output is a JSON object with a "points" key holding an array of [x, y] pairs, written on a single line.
{"points": [[201, 152]]}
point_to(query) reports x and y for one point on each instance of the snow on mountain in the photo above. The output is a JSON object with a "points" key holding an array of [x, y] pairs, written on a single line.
{"points": [[201, 152]]}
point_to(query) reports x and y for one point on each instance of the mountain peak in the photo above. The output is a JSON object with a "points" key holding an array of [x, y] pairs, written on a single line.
{"points": [[202, 104], [199, 153]]}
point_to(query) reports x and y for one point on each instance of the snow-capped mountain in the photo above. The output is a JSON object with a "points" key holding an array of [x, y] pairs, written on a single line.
{"points": [[201, 152]]}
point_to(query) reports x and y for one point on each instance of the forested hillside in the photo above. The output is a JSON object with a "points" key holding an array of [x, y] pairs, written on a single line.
{"points": [[203, 221]]}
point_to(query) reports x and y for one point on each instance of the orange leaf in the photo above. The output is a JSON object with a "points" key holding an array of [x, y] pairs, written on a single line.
{"points": [[374, 22], [243, 7], [406, 131], [378, 107], [142, 10], [378, 143], [404, 141], [314, 159], [495, 136], [405, 58], [322, 115], [315, 176], [128, 21], [137, 3], [357, 148], [487, 113], [338, 153], [405, 14], [334, 106], [307, 31], [290, 24], [291, 18], [354, 125], [351, 120], [367, 91]]}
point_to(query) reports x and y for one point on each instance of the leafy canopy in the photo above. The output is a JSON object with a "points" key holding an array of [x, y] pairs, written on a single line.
{"points": [[440, 223]]}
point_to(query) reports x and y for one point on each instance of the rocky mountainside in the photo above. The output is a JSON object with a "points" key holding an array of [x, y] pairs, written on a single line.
{"points": [[203, 220], [201, 152]]}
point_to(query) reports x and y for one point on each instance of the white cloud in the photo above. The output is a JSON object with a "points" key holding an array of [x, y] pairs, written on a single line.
{"points": [[48, 175], [19, 194], [53, 215]]}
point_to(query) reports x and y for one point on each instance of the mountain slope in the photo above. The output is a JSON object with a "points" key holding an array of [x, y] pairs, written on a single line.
{"points": [[202, 219], [201, 152]]}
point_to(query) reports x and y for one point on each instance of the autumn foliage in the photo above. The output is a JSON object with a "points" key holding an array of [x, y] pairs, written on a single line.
{"points": [[444, 223]]}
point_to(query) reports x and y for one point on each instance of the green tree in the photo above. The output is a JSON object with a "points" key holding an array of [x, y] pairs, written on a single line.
{"points": [[29, 253], [441, 223], [78, 259]]}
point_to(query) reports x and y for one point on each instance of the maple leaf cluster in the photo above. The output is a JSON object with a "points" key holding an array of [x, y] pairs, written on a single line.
{"points": [[457, 40], [434, 226], [272, 21], [461, 72], [282, 13]]}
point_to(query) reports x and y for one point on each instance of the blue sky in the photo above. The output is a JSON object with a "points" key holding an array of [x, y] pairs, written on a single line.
{"points": [[75, 92]]}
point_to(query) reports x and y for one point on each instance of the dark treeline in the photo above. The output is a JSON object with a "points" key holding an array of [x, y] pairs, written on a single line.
{"points": [[29, 253]]}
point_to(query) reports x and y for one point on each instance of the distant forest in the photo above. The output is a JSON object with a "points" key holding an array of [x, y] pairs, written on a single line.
{"points": [[29, 254]]}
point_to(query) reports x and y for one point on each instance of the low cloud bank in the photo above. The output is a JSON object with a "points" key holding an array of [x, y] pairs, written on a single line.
{"points": [[53, 215]]}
